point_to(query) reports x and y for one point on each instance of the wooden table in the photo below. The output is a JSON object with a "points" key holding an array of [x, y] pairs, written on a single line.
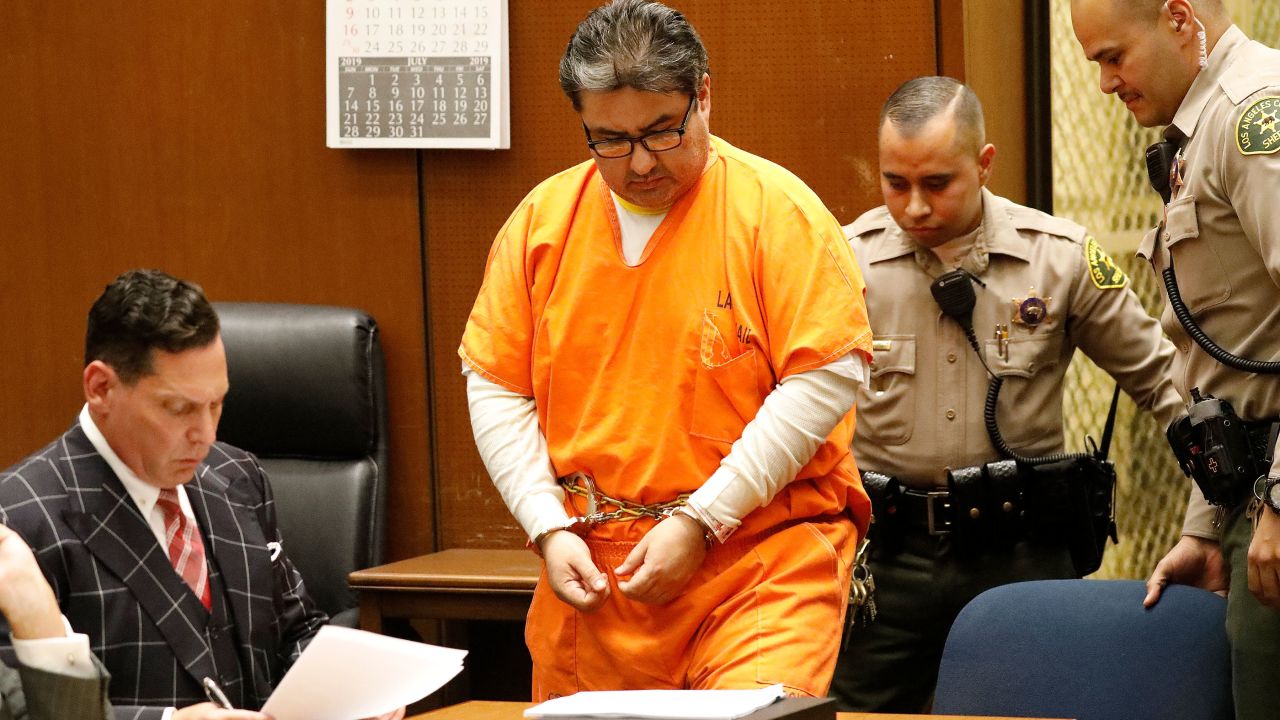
{"points": [[488, 710], [458, 584], [465, 584]]}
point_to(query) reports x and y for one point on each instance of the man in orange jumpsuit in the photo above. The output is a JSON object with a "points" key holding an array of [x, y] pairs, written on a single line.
{"points": [[673, 332]]}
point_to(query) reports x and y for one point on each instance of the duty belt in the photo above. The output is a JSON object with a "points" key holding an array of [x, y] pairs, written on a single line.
{"points": [[1222, 452], [583, 485], [1068, 502], [902, 507], [929, 510], [997, 496]]}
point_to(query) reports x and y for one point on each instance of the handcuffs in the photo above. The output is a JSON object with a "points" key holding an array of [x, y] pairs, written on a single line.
{"points": [[626, 511]]}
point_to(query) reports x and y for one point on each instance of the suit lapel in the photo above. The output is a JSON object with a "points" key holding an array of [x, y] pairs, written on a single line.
{"points": [[114, 531], [234, 541]]}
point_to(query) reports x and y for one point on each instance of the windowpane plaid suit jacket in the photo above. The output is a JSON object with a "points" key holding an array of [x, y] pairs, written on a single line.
{"points": [[114, 581]]}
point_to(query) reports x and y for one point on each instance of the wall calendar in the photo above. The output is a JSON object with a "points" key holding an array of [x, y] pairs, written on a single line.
{"points": [[417, 74]]}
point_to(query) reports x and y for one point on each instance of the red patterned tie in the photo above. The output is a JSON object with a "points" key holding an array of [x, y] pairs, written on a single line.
{"points": [[186, 549]]}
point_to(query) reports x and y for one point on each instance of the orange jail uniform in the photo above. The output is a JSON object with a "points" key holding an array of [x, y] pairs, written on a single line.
{"points": [[644, 376]]}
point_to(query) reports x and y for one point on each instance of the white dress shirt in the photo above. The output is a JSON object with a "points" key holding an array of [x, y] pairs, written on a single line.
{"points": [[144, 495]]}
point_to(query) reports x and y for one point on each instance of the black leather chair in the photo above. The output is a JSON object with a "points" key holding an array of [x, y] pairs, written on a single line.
{"points": [[309, 399]]}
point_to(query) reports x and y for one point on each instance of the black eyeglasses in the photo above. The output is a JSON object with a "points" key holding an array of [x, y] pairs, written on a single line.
{"points": [[659, 141]]}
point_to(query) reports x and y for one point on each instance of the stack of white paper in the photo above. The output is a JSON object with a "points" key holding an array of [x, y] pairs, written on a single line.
{"points": [[659, 704], [346, 674]]}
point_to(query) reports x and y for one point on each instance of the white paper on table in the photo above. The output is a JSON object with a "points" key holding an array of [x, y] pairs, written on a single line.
{"points": [[659, 704], [347, 674]]}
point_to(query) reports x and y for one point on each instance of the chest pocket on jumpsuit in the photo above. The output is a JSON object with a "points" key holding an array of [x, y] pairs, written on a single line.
{"points": [[1026, 358], [1202, 278], [725, 392], [886, 412]]}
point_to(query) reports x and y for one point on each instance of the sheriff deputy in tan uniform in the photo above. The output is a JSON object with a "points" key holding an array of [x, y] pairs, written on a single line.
{"points": [[1050, 289], [1185, 65]]}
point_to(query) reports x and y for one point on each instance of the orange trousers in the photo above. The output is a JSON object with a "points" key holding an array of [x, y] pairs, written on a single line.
{"points": [[762, 610]]}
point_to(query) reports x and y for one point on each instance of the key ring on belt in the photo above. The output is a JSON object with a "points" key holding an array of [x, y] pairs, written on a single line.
{"points": [[583, 485]]}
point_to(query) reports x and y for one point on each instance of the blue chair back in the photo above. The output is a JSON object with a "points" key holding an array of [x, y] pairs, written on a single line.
{"points": [[1087, 649]]}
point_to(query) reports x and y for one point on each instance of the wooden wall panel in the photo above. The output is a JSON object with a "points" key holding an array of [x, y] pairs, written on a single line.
{"points": [[799, 83], [995, 67], [190, 137], [950, 30]]}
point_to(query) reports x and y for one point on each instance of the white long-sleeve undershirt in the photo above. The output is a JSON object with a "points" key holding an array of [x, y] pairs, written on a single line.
{"points": [[784, 435]]}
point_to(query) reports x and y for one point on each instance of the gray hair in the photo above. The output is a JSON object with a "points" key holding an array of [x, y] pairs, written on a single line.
{"points": [[639, 44], [918, 101]]}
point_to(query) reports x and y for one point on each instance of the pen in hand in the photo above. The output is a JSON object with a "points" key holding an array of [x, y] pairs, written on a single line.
{"points": [[218, 707], [215, 694]]}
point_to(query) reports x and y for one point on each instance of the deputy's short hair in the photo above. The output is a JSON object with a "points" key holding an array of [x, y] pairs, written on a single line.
{"points": [[919, 100], [1150, 9]]}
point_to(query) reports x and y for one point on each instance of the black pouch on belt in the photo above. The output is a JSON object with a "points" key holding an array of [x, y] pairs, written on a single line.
{"points": [[1071, 501], [986, 504], [886, 533], [1221, 452]]}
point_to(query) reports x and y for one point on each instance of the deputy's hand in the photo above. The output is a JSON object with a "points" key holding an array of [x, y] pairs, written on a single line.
{"points": [[393, 715], [26, 599], [1264, 559], [1193, 561], [209, 711], [573, 576], [662, 562]]}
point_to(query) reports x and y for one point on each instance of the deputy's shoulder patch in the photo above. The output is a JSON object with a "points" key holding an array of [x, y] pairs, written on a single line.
{"points": [[1103, 270], [1258, 130]]}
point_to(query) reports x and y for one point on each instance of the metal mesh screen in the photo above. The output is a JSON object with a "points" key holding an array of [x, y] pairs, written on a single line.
{"points": [[1100, 181]]}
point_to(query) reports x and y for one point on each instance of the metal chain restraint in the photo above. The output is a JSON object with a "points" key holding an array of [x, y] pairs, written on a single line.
{"points": [[582, 485]]}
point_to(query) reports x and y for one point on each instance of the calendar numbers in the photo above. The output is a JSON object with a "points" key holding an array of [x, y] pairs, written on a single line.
{"points": [[389, 96], [417, 73]]}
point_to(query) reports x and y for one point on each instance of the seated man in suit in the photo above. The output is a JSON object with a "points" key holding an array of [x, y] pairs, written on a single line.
{"points": [[57, 677], [160, 543]]}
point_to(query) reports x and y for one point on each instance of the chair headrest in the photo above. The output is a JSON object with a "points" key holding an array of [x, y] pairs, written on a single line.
{"points": [[306, 380]]}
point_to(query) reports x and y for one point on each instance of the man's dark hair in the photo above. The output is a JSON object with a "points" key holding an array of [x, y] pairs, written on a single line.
{"points": [[145, 310], [921, 99], [638, 44]]}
